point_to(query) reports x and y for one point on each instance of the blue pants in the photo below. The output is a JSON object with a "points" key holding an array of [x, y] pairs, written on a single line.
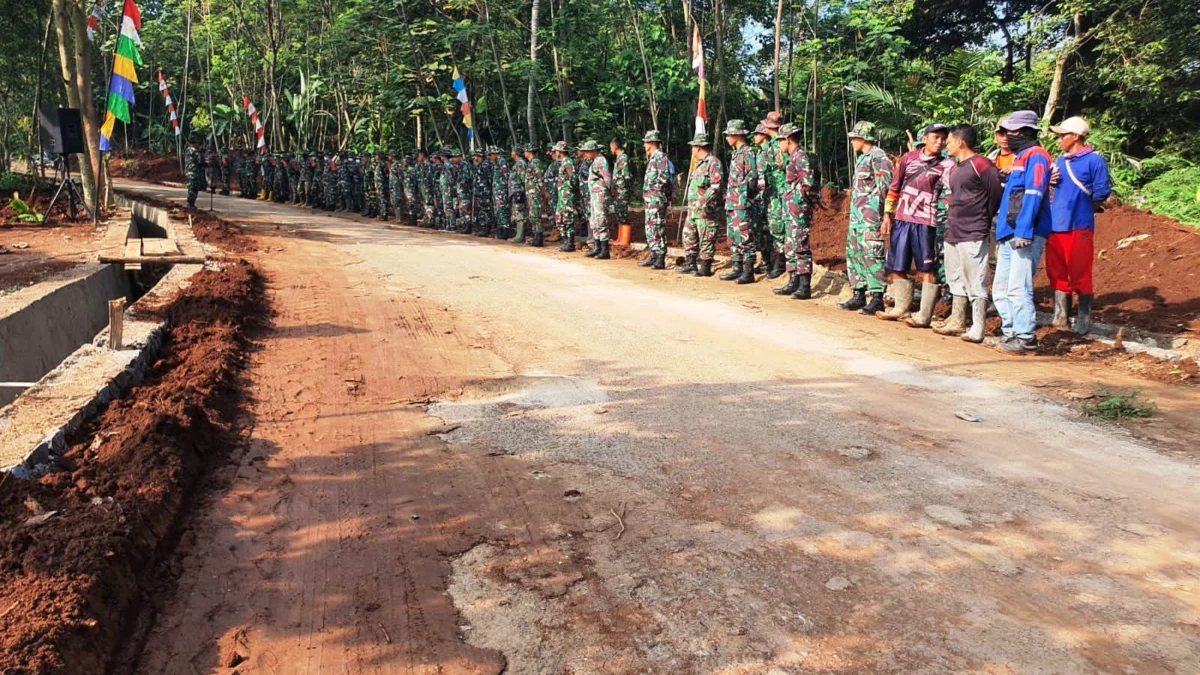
{"points": [[1012, 289]]}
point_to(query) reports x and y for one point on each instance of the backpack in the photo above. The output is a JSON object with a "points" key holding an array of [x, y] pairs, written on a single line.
{"points": [[670, 181]]}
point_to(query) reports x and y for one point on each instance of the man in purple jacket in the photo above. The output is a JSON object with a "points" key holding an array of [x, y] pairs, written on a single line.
{"points": [[1022, 227]]}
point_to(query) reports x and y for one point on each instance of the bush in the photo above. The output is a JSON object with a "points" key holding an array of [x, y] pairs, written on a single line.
{"points": [[1175, 194], [1114, 406]]}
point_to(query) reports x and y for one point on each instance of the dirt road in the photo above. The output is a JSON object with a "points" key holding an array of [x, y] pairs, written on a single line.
{"points": [[471, 456]]}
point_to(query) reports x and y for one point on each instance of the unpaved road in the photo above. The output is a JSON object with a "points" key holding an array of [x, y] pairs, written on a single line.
{"points": [[471, 455]]}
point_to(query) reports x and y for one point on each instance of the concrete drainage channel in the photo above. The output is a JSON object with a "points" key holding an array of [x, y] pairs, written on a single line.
{"points": [[55, 335]]}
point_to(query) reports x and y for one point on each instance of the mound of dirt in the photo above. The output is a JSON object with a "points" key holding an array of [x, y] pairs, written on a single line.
{"points": [[207, 226], [78, 548], [142, 165]]}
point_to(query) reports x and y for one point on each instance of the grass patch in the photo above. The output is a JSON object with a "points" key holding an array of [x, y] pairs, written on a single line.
{"points": [[1116, 406]]}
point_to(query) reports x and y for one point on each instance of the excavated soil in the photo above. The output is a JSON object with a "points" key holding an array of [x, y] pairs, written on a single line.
{"points": [[142, 165], [207, 226], [78, 547]]}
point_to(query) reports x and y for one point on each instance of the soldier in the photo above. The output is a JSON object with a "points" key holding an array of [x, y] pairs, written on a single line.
{"points": [[280, 193], [583, 169], [426, 175], [599, 191], [656, 189], [703, 204], [481, 194], [448, 189], [774, 165], [566, 192], [763, 242], [437, 166], [622, 178], [266, 177], [341, 192], [518, 205], [226, 167], [363, 184], [864, 242], [797, 198], [740, 189], [399, 169], [212, 167], [296, 176], [194, 170], [550, 184], [383, 184], [535, 192], [464, 183], [500, 214], [329, 183]]}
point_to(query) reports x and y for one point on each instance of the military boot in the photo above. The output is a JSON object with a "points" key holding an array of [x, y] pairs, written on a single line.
{"points": [[791, 286], [902, 294], [650, 259], [689, 265], [778, 265], [958, 318], [747, 274], [605, 254], [538, 241], [568, 245], [875, 305], [764, 264], [704, 268], [660, 261], [597, 246], [804, 288], [1062, 310], [924, 316], [1083, 320], [735, 271], [856, 301]]}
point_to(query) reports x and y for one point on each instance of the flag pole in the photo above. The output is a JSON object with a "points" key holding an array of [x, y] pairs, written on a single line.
{"points": [[102, 179]]}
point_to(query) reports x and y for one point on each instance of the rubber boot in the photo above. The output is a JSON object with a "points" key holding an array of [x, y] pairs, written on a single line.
{"points": [[958, 318], [924, 316], [875, 305], [747, 274], [902, 293], [1083, 319], [519, 236], [804, 288], [791, 286], [689, 265], [778, 265], [605, 254], [660, 261], [650, 259], [539, 240], [1062, 310], [735, 271], [978, 321], [597, 246], [704, 268], [856, 301]]}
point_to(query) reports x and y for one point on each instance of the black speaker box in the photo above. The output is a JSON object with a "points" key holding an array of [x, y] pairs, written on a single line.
{"points": [[62, 131]]}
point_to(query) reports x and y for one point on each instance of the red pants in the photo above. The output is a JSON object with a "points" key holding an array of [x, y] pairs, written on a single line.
{"points": [[1069, 257]]}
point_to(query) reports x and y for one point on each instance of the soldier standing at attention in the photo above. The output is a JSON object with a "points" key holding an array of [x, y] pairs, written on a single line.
{"points": [[268, 177], [566, 190], [774, 165], [703, 204], [864, 242], [343, 199], [212, 167], [226, 168], [656, 197], [622, 178], [383, 183], [583, 168], [436, 169], [518, 208], [448, 189], [329, 181], [550, 184], [194, 170], [797, 199], [463, 198], [740, 188], [481, 194], [599, 191], [535, 195], [308, 173], [400, 171], [499, 192]]}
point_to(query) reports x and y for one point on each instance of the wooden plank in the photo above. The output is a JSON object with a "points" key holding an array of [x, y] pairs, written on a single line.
{"points": [[159, 247], [116, 323], [133, 249], [151, 260]]}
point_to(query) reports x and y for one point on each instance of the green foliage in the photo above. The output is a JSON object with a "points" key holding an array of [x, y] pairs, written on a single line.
{"points": [[1115, 406], [25, 213], [10, 181], [1176, 194]]}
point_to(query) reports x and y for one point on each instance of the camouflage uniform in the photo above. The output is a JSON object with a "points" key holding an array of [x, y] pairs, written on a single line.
{"points": [[622, 179], [774, 173], [740, 189], [864, 242], [550, 189], [428, 185], [703, 204], [518, 199], [268, 178], [583, 169], [464, 196], [383, 186], [398, 178], [226, 164], [797, 198], [654, 195], [500, 194], [599, 187], [365, 186], [566, 191], [310, 175], [481, 197], [535, 196], [448, 194], [764, 242], [194, 170], [344, 199], [329, 183], [212, 169]]}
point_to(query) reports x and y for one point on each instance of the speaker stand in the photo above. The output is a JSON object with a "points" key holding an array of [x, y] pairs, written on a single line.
{"points": [[74, 196]]}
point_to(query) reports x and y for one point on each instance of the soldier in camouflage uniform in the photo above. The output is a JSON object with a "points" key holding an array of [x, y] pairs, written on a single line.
{"points": [[500, 214], [465, 195], [763, 242], [342, 198], [296, 173], [864, 242], [703, 206], [774, 166], [426, 177], [583, 168], [448, 179], [267, 176], [212, 168], [622, 178], [434, 173], [194, 168], [599, 191], [566, 193], [399, 169], [226, 167], [383, 184], [797, 198], [535, 195], [740, 188], [550, 185], [408, 189], [481, 194], [329, 183], [363, 186], [656, 196], [518, 206]]}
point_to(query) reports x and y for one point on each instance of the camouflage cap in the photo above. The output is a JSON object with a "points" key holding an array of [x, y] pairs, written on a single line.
{"points": [[736, 128], [700, 140], [760, 130], [453, 152], [493, 150], [789, 130], [773, 120], [652, 136], [864, 130], [560, 146], [589, 145]]}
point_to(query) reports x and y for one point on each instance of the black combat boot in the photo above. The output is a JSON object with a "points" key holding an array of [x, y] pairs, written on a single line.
{"points": [[650, 259], [764, 265], [804, 288], [704, 268], [778, 265], [689, 265], [568, 245], [604, 252], [875, 305], [856, 301], [597, 246], [538, 241], [792, 284], [660, 261], [734, 272], [747, 274]]}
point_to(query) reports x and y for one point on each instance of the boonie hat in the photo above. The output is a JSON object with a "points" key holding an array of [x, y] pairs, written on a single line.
{"points": [[864, 130], [1022, 119]]}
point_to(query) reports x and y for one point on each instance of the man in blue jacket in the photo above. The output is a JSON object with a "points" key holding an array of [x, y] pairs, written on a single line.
{"points": [[1022, 228], [1080, 177]]}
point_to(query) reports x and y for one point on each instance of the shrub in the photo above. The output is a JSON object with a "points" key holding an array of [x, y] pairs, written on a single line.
{"points": [[1175, 194]]}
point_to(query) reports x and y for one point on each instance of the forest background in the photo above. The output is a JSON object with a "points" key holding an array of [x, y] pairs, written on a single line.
{"points": [[376, 74]]}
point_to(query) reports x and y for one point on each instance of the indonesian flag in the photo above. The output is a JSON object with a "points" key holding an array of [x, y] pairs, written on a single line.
{"points": [[261, 142], [94, 20], [166, 94], [698, 65]]}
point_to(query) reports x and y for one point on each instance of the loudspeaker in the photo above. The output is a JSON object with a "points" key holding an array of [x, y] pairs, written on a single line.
{"points": [[62, 131]]}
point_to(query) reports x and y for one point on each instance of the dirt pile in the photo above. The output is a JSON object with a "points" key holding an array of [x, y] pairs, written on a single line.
{"points": [[142, 165], [207, 226], [78, 547]]}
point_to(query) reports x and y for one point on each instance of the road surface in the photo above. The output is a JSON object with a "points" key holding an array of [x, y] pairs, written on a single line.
{"points": [[470, 456]]}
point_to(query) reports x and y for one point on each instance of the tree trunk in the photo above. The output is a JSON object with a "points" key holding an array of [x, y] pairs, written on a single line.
{"points": [[35, 137], [533, 62], [778, 34], [512, 129], [637, 29], [1060, 68], [75, 57]]}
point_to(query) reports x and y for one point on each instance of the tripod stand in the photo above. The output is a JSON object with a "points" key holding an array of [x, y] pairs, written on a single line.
{"points": [[62, 168]]}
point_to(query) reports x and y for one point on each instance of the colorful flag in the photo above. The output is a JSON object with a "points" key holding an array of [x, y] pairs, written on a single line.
{"points": [[94, 21], [162, 87], [468, 121], [261, 142], [124, 75], [698, 65]]}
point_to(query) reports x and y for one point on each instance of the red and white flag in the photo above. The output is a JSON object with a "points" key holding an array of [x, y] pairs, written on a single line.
{"points": [[261, 142], [93, 24], [166, 93], [698, 65]]}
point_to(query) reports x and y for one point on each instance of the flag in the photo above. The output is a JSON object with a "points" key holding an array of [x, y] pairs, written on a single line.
{"points": [[166, 93], [698, 66], [124, 75], [94, 21], [261, 142], [468, 121]]}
